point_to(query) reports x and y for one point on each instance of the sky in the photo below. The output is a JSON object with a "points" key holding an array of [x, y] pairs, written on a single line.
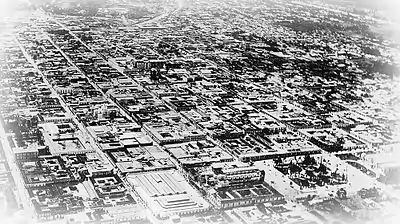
{"points": [[389, 8]]}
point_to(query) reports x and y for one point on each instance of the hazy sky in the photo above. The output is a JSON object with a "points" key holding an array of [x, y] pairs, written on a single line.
{"points": [[390, 8]]}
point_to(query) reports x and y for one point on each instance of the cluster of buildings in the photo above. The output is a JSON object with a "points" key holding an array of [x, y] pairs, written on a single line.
{"points": [[217, 111]]}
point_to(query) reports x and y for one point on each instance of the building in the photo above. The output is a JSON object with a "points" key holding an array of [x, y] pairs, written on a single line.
{"points": [[167, 193], [233, 184]]}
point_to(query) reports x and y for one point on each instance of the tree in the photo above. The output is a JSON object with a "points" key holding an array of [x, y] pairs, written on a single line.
{"points": [[341, 193], [154, 75], [308, 160], [294, 168], [278, 161], [322, 169]]}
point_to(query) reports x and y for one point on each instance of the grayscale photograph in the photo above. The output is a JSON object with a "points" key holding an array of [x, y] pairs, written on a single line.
{"points": [[200, 111]]}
